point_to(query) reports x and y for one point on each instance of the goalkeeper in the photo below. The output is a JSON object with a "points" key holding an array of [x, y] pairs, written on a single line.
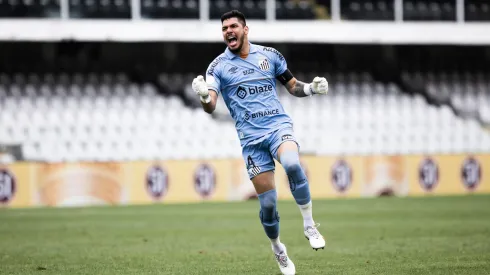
{"points": [[244, 75]]}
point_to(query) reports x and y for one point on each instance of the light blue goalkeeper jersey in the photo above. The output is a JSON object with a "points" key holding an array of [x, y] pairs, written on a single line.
{"points": [[248, 87]]}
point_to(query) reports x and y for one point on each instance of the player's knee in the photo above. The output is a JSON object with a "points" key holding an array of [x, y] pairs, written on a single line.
{"points": [[269, 216], [290, 162], [268, 201]]}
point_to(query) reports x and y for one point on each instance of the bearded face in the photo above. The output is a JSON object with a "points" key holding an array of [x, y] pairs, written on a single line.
{"points": [[234, 33]]}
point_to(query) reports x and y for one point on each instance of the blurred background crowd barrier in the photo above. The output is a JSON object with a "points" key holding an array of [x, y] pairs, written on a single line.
{"points": [[96, 105]]}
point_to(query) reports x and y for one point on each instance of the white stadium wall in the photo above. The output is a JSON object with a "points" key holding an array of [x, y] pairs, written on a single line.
{"points": [[283, 31]]}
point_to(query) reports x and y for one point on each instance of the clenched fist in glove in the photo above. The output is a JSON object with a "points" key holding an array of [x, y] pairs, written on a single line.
{"points": [[201, 89], [318, 86]]}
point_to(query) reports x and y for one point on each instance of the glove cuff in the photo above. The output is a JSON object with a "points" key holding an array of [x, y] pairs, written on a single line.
{"points": [[307, 89], [205, 99]]}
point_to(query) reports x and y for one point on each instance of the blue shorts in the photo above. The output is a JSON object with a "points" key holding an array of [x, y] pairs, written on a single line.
{"points": [[259, 154]]}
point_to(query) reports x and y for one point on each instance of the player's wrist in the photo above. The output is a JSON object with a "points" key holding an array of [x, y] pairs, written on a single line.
{"points": [[205, 98], [307, 89]]}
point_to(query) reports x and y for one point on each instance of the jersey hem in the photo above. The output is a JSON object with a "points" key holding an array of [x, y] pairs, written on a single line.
{"points": [[272, 130]]}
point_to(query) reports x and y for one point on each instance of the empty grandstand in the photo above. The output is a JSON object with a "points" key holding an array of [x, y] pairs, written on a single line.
{"points": [[125, 106]]}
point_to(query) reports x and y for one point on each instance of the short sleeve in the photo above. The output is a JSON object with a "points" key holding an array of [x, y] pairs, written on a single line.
{"points": [[279, 61], [213, 75]]}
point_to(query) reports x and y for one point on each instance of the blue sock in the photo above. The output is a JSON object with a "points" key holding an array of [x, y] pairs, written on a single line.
{"points": [[269, 216], [298, 183]]}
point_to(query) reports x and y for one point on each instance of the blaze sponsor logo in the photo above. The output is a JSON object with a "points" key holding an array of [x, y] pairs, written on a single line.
{"points": [[242, 92], [260, 89]]}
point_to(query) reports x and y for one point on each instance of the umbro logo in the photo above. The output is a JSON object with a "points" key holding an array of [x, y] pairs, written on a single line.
{"points": [[233, 70]]}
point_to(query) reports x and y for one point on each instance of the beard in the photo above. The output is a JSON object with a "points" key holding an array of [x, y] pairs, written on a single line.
{"points": [[239, 45]]}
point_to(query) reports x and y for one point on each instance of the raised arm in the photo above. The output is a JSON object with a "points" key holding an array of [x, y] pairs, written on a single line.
{"points": [[209, 102], [297, 88], [208, 97], [294, 86], [301, 89]]}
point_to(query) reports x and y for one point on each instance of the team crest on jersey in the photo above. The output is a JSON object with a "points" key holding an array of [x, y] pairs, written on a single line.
{"points": [[264, 64]]}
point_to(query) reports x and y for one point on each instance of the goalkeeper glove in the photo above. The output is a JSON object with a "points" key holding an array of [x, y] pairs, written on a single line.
{"points": [[318, 86], [201, 89]]}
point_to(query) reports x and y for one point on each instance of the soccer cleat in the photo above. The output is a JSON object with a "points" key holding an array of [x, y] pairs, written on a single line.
{"points": [[316, 239], [285, 264]]}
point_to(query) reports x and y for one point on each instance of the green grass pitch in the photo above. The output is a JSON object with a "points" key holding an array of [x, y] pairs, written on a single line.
{"points": [[438, 235]]}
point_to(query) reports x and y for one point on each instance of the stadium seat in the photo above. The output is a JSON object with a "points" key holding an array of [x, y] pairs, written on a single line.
{"points": [[103, 9], [30, 9], [253, 9], [294, 10], [477, 10], [97, 118], [433, 10], [372, 10], [172, 9]]}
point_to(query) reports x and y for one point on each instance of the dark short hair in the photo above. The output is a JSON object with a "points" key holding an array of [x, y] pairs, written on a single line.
{"points": [[232, 14]]}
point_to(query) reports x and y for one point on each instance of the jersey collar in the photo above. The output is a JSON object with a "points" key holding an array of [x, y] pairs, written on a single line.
{"points": [[253, 49]]}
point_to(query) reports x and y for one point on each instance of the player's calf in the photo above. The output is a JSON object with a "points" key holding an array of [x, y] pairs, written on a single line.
{"points": [[269, 217], [301, 192], [298, 182]]}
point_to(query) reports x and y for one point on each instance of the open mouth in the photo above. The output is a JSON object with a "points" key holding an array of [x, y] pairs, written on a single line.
{"points": [[232, 41]]}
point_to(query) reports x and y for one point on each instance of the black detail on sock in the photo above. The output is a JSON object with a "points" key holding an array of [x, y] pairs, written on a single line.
{"points": [[274, 216], [292, 184]]}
